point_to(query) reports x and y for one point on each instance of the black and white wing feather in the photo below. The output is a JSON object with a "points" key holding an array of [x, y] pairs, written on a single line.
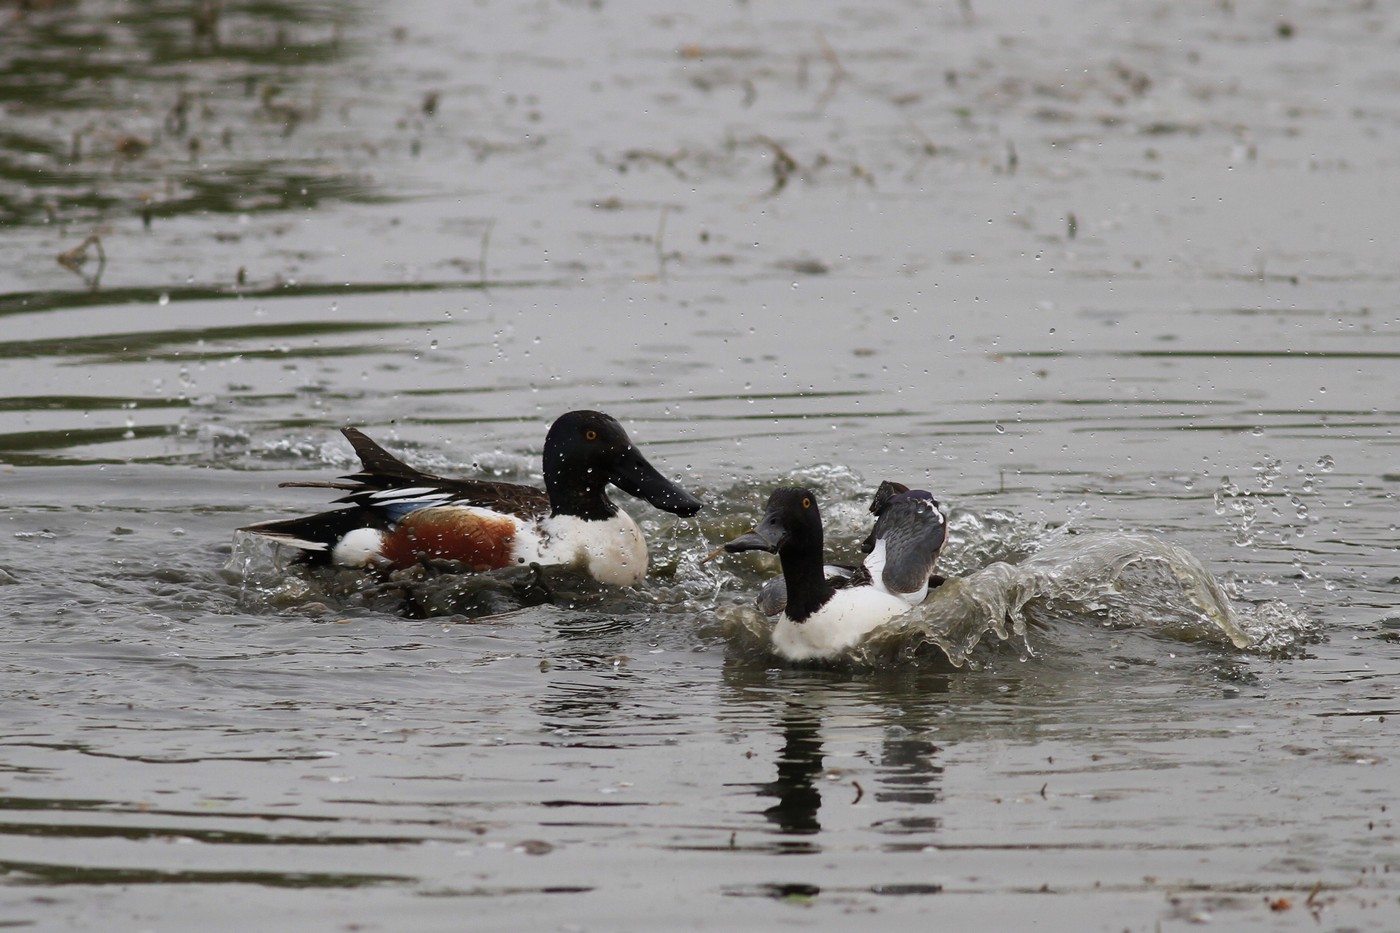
{"points": [[905, 544]]}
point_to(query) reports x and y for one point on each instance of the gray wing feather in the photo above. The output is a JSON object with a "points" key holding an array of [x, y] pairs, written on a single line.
{"points": [[913, 532], [772, 599]]}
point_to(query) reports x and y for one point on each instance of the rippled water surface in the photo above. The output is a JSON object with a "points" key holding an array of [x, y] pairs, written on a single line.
{"points": [[1116, 282]]}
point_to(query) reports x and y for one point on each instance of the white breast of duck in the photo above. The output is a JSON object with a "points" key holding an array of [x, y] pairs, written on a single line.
{"points": [[611, 551], [847, 617]]}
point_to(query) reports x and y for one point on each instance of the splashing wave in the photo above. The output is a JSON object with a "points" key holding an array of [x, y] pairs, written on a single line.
{"points": [[1115, 580]]}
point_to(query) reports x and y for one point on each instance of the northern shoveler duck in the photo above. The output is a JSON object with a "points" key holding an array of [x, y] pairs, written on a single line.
{"points": [[400, 514], [821, 613]]}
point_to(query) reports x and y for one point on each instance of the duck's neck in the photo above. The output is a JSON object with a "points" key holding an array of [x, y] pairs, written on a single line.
{"points": [[575, 489], [586, 502], [807, 589]]}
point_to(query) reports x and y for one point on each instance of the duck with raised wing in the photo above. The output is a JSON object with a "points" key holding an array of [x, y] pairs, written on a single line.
{"points": [[822, 614], [772, 597], [399, 515]]}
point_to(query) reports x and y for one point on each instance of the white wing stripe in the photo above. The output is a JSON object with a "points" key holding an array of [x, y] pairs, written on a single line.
{"points": [[411, 494]]}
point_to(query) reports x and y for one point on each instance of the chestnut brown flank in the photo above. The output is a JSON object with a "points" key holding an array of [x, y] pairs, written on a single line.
{"points": [[481, 542]]}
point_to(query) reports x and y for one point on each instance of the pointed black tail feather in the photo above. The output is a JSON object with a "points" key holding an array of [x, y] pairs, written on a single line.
{"points": [[379, 466]]}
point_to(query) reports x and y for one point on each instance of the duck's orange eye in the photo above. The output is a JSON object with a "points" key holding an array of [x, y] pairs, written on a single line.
{"points": [[591, 434], [806, 502]]}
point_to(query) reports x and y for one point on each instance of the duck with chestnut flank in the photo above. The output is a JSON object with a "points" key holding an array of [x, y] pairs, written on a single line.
{"points": [[399, 515], [821, 614]]}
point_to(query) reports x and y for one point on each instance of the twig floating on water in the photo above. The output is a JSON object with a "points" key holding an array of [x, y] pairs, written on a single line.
{"points": [[783, 164], [74, 259]]}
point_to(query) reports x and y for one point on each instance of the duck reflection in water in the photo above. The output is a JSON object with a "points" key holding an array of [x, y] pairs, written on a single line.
{"points": [[799, 765], [907, 776]]}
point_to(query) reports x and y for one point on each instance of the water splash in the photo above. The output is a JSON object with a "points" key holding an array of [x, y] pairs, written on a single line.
{"points": [[979, 538], [1277, 629], [1116, 580]]}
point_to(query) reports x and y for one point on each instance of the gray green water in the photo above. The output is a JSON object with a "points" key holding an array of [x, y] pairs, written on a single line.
{"points": [[1092, 271]]}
